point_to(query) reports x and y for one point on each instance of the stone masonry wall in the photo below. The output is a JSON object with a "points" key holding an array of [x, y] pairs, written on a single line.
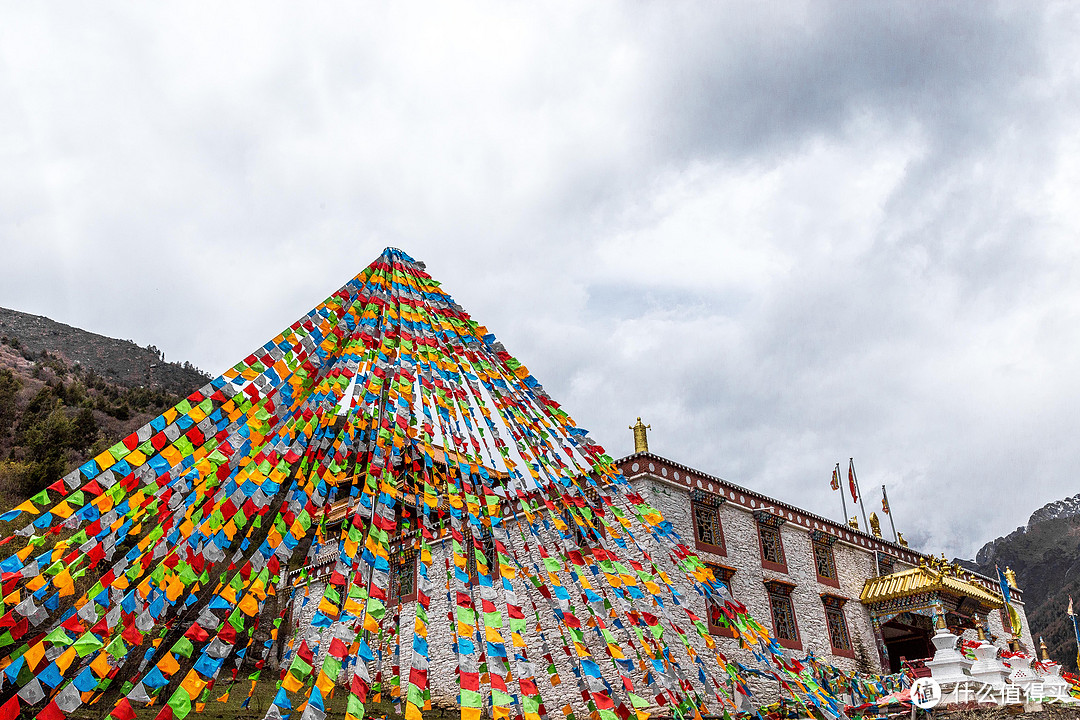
{"points": [[854, 564]]}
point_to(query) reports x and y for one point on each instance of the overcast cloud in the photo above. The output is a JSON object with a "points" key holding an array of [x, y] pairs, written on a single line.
{"points": [[783, 236]]}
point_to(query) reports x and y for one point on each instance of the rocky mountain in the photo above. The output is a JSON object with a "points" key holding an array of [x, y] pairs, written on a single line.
{"points": [[118, 361], [67, 394], [1045, 555]]}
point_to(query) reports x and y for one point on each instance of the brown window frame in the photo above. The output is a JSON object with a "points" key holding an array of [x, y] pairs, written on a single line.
{"points": [[399, 562], [771, 564], [833, 606], [723, 573], [823, 543], [487, 543], [718, 527], [781, 593]]}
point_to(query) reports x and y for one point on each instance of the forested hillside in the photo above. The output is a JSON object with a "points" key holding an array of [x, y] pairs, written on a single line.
{"points": [[1045, 555], [56, 413]]}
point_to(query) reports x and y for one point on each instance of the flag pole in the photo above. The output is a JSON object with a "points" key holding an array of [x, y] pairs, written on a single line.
{"points": [[851, 468], [843, 500], [885, 497], [1076, 631]]}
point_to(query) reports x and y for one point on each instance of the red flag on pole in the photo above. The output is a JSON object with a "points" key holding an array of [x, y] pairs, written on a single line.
{"points": [[835, 479], [885, 504], [851, 482]]}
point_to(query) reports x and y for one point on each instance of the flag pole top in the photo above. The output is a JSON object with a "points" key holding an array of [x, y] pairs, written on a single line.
{"points": [[641, 438]]}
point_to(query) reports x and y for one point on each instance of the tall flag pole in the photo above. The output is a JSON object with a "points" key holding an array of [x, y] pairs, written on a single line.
{"points": [[1076, 630], [856, 491], [888, 511], [836, 486]]}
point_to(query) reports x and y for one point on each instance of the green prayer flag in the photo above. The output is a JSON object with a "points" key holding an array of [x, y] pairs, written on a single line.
{"points": [[183, 647], [87, 644], [180, 702]]}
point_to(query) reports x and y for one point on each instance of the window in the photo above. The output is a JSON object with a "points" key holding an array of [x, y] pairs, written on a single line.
{"points": [[839, 639], [491, 557], [886, 564], [824, 559], [403, 579], [717, 622], [708, 534], [783, 615], [582, 518], [772, 547]]}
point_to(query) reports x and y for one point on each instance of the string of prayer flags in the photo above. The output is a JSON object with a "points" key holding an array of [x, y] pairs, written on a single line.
{"points": [[381, 429]]}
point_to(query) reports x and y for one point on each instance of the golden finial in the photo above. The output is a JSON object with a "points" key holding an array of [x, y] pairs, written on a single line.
{"points": [[875, 525], [1010, 576], [900, 540], [980, 628], [1044, 655], [641, 440], [854, 522]]}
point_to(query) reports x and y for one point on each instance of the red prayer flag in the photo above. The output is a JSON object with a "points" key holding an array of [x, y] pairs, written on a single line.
{"points": [[10, 709], [51, 711]]}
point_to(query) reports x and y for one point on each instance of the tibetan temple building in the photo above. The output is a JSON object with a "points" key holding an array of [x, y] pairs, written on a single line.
{"points": [[848, 597]]}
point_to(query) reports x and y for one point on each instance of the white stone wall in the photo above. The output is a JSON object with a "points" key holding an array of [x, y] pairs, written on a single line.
{"points": [[854, 565]]}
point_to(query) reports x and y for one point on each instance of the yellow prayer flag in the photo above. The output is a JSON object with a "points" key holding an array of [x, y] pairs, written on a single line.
{"points": [[168, 665], [249, 605]]}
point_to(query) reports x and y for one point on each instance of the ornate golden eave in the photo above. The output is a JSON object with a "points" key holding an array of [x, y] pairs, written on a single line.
{"points": [[924, 579]]}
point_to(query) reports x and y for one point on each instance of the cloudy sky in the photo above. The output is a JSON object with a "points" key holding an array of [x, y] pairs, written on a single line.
{"points": [[785, 234]]}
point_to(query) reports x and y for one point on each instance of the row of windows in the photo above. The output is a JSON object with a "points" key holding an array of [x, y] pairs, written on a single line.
{"points": [[709, 536], [785, 625]]}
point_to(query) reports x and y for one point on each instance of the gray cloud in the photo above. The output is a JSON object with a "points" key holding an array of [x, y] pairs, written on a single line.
{"points": [[784, 236]]}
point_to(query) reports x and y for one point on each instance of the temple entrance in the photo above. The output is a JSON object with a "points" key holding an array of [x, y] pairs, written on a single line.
{"points": [[907, 637], [903, 606]]}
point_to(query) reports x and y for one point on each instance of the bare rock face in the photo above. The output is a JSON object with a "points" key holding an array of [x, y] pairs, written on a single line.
{"points": [[1068, 507], [1057, 510]]}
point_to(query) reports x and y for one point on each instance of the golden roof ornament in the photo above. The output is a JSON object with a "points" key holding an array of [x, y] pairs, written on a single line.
{"points": [[939, 616], [900, 540], [1010, 576], [641, 439], [875, 524], [854, 522], [1044, 655], [980, 628]]}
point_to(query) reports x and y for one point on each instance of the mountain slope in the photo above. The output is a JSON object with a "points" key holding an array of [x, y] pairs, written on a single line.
{"points": [[65, 392], [1045, 555], [118, 361]]}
